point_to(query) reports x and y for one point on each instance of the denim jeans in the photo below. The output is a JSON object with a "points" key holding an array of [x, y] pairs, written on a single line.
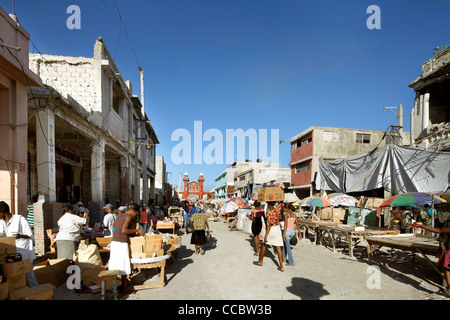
{"points": [[287, 246]]}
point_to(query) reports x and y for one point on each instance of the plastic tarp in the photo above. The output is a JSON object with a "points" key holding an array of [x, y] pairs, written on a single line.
{"points": [[397, 169]]}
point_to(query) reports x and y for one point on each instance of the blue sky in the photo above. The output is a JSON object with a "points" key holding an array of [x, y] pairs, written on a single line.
{"points": [[253, 64]]}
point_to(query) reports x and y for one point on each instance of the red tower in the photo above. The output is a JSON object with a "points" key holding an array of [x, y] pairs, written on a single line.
{"points": [[194, 187], [200, 181], [186, 182]]}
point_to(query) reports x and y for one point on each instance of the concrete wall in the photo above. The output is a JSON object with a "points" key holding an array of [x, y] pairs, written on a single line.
{"points": [[14, 113]]}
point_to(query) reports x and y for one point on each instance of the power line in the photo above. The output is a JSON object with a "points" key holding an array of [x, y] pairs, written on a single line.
{"points": [[126, 32]]}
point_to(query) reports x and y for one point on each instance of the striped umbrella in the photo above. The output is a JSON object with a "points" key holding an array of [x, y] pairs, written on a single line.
{"points": [[319, 202], [411, 199], [341, 199]]}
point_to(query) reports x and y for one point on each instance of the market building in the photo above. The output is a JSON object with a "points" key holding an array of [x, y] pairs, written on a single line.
{"points": [[250, 176], [317, 145], [89, 138], [430, 116], [15, 79]]}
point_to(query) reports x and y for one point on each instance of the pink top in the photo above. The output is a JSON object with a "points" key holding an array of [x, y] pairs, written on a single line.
{"points": [[290, 223]]}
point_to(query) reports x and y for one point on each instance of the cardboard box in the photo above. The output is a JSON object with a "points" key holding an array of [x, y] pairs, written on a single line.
{"points": [[270, 194], [45, 274], [52, 271], [3, 290], [16, 268], [7, 246], [41, 292], [60, 269], [149, 254], [146, 244], [17, 282]]}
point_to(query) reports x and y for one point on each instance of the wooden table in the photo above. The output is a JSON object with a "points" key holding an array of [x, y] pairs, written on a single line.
{"points": [[307, 225], [165, 225], [337, 232], [161, 265], [415, 243]]}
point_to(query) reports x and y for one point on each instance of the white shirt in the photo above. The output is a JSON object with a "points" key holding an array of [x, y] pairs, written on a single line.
{"points": [[19, 225], [108, 221], [70, 226]]}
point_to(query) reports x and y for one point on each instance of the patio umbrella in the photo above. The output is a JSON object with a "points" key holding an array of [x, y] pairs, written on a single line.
{"points": [[228, 207], [319, 202], [290, 197], [341, 199], [239, 201], [412, 198], [303, 202]]}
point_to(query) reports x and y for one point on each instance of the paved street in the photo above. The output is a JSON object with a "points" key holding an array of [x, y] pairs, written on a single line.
{"points": [[226, 271]]}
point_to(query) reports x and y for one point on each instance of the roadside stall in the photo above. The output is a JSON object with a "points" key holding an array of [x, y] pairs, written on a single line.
{"points": [[176, 214]]}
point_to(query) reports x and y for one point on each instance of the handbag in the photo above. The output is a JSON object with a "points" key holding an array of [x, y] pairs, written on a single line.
{"points": [[190, 228], [293, 240], [444, 259], [208, 236]]}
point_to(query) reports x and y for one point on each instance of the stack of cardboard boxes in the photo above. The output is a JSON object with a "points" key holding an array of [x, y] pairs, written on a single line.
{"points": [[13, 284], [147, 246]]}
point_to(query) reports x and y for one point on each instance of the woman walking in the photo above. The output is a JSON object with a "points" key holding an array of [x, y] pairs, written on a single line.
{"points": [[257, 214], [290, 224], [119, 258], [273, 234], [198, 238]]}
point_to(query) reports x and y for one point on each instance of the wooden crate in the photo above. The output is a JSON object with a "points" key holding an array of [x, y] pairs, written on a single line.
{"points": [[42, 292]]}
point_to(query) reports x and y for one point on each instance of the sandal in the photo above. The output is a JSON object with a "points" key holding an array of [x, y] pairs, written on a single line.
{"points": [[256, 263], [282, 270]]}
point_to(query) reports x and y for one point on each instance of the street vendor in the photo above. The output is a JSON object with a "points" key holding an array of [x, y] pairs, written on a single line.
{"points": [[108, 221], [119, 258], [16, 226], [444, 244], [396, 218], [70, 227]]}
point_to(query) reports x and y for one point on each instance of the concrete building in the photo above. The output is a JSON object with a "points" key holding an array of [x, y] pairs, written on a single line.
{"points": [[319, 144], [160, 181], [224, 182], [250, 176], [15, 78], [104, 143], [430, 116]]}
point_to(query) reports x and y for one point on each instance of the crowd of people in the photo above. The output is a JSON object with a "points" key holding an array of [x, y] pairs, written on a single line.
{"points": [[122, 222]]}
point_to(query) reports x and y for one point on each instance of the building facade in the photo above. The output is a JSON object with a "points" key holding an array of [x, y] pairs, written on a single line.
{"points": [[92, 140], [223, 183], [320, 144], [430, 116], [15, 79], [250, 176]]}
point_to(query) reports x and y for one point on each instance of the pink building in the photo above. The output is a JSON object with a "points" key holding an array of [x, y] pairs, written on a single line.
{"points": [[15, 78]]}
